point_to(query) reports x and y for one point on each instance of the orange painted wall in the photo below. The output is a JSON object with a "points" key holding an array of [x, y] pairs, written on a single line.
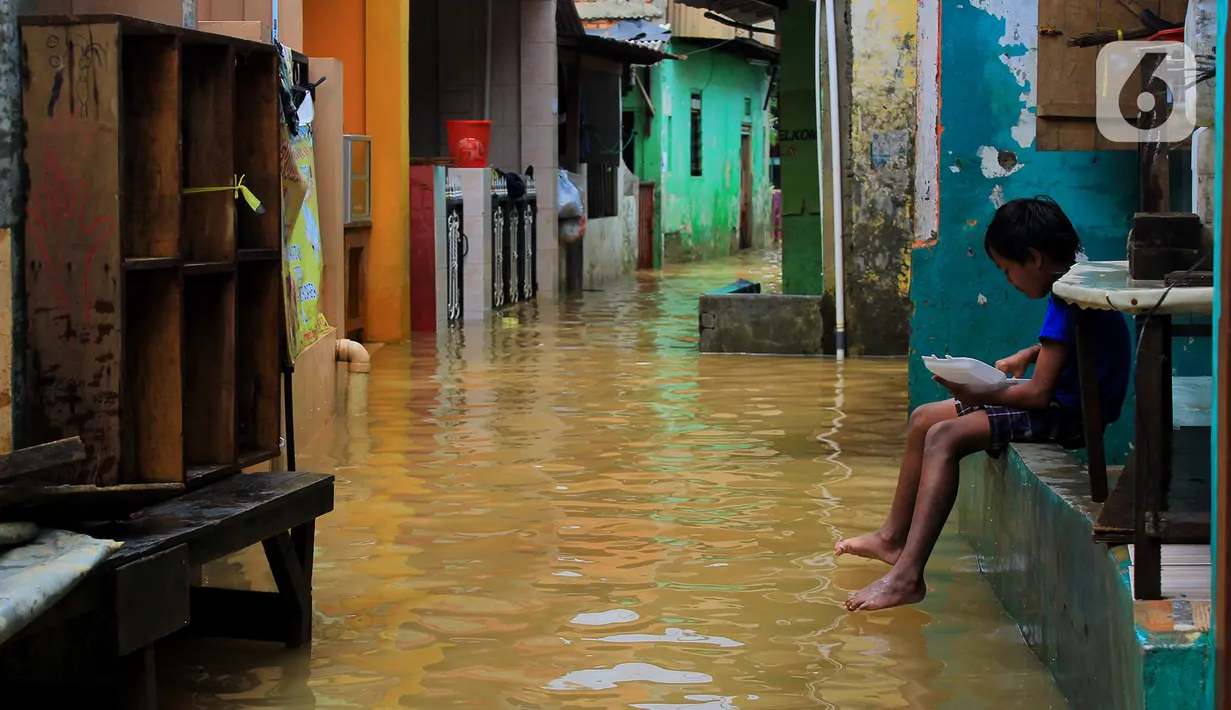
{"points": [[338, 29], [388, 122]]}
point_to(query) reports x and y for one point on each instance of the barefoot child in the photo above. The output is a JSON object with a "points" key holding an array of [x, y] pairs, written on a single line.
{"points": [[1034, 244]]}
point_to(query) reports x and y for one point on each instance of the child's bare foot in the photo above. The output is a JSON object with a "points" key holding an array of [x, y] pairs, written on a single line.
{"points": [[886, 593], [873, 546]]}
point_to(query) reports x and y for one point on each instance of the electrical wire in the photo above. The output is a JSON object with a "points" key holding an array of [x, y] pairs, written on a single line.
{"points": [[1150, 313]]}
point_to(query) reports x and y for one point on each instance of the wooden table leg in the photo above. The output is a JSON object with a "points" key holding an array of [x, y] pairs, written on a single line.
{"points": [[304, 539], [139, 690], [1153, 451], [293, 588], [1091, 411]]}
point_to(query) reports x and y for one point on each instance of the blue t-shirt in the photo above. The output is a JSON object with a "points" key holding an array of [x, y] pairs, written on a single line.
{"points": [[1113, 349]]}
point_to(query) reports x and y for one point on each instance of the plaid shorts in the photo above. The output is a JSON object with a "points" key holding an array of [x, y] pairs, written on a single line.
{"points": [[1056, 424]]}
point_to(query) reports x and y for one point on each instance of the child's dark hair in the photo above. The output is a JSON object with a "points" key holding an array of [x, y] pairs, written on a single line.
{"points": [[1032, 223]]}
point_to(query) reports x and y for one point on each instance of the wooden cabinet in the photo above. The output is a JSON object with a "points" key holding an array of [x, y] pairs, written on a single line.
{"points": [[154, 314]]}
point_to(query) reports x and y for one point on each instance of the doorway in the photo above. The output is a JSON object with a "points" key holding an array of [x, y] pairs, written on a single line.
{"points": [[628, 134], [745, 188], [645, 226]]}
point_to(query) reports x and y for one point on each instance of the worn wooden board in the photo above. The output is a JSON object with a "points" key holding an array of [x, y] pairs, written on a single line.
{"points": [[151, 148], [73, 267], [257, 146], [39, 459], [208, 136], [151, 599], [209, 370], [1067, 77], [60, 505], [225, 517], [153, 391]]}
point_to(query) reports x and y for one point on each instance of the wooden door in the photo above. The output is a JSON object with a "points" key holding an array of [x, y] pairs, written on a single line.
{"points": [[645, 226], [745, 190]]}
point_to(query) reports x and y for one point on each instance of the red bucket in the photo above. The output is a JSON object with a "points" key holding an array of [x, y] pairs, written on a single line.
{"points": [[468, 142]]}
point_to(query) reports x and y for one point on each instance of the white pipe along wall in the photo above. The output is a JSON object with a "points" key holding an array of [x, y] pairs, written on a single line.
{"points": [[358, 366], [835, 137]]}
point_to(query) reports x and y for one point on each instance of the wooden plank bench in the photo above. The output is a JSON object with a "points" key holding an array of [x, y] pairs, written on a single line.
{"points": [[98, 641]]}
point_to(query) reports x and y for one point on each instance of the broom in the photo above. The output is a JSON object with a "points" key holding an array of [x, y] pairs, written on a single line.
{"points": [[1102, 37]]}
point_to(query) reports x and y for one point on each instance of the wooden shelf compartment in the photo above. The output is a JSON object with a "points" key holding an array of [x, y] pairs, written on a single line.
{"points": [[209, 371], [258, 357], [133, 324], [273, 254], [208, 268], [151, 418], [150, 145], [208, 90], [258, 147]]}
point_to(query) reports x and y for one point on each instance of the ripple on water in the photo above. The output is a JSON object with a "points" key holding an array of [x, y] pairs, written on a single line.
{"points": [[575, 510]]}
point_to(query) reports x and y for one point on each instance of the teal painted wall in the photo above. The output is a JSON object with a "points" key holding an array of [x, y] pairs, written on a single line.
{"points": [[985, 106], [699, 216], [802, 244]]}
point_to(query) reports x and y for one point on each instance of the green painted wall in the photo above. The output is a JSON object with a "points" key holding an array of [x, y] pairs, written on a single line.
{"points": [[802, 243], [699, 216]]}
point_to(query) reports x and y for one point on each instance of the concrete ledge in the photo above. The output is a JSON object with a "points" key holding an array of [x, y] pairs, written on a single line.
{"points": [[1029, 519], [760, 323]]}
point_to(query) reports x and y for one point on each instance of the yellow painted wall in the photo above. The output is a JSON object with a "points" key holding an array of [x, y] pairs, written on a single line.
{"points": [[388, 122]]}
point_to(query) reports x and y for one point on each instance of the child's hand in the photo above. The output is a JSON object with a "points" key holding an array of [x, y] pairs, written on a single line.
{"points": [[1016, 365], [961, 393]]}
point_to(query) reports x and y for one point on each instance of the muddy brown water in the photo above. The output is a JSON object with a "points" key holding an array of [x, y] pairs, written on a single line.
{"points": [[572, 509]]}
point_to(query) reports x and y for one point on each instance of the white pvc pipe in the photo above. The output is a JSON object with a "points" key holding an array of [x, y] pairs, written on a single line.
{"points": [[354, 354], [835, 137], [487, 74], [359, 365]]}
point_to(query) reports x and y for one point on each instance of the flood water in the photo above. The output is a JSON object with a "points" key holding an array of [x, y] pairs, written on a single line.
{"points": [[572, 509]]}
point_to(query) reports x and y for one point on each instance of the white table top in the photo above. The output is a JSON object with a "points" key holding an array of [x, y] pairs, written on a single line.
{"points": [[1105, 285]]}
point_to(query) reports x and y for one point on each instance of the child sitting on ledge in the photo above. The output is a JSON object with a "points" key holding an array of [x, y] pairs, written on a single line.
{"points": [[1034, 244]]}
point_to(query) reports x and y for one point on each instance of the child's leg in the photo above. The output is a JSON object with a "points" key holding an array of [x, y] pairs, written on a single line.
{"points": [[886, 544], [946, 444]]}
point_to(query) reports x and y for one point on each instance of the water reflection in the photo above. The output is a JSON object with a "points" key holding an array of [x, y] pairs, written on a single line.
{"points": [[572, 509]]}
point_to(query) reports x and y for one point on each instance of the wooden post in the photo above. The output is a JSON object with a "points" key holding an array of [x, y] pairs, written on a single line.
{"points": [[1092, 415], [1153, 451]]}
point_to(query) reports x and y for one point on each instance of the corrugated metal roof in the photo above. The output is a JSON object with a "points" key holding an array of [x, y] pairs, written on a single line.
{"points": [[749, 11], [621, 9], [637, 32]]}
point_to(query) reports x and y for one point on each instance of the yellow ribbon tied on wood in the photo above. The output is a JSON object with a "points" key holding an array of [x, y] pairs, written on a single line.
{"points": [[239, 188]]}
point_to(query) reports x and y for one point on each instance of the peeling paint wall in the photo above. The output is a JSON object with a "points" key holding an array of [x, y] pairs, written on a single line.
{"points": [[698, 217], [880, 181], [981, 153]]}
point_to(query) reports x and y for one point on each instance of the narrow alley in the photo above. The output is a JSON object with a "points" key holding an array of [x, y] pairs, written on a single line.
{"points": [[572, 508]]}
